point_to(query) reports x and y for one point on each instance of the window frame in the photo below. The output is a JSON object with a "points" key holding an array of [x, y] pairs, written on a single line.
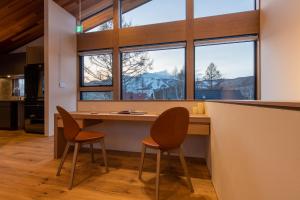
{"points": [[231, 40], [94, 88], [154, 47], [117, 39]]}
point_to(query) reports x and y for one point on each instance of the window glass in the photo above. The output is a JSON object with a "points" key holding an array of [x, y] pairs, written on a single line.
{"points": [[225, 71], [152, 12], [102, 27], [18, 87], [96, 70], [87, 96], [153, 75], [204, 8]]}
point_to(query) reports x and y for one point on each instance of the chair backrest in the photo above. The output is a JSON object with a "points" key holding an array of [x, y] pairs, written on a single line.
{"points": [[170, 129], [71, 128]]}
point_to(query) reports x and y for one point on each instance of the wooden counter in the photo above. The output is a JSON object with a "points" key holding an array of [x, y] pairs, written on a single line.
{"points": [[199, 124]]}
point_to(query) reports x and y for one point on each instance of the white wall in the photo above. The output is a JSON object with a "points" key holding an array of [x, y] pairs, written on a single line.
{"points": [[280, 47], [60, 62], [37, 42], [255, 152]]}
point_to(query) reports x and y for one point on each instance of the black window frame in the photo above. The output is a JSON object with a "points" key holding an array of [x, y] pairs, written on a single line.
{"points": [[81, 70], [163, 46], [228, 42]]}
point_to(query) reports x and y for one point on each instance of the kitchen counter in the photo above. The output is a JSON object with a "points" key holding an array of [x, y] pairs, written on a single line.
{"points": [[11, 100]]}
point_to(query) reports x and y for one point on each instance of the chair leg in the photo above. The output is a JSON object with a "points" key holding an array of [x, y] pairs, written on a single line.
{"points": [[142, 160], [157, 174], [183, 163], [76, 150], [104, 155], [92, 153], [63, 159]]}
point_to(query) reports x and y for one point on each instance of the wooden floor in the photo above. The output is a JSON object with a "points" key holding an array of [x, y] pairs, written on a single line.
{"points": [[27, 171]]}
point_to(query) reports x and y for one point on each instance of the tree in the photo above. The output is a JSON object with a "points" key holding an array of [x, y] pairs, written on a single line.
{"points": [[212, 74], [134, 64], [179, 77]]}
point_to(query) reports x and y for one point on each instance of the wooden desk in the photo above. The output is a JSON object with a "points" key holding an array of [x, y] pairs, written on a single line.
{"points": [[199, 124]]}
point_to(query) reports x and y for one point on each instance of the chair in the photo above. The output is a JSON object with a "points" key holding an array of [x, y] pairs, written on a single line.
{"points": [[77, 137], [167, 135]]}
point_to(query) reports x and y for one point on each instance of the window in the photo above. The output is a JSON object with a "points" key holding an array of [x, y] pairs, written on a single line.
{"points": [[102, 27], [96, 69], [152, 12], [96, 75], [225, 71], [100, 21], [18, 88], [153, 74], [87, 96], [205, 8]]}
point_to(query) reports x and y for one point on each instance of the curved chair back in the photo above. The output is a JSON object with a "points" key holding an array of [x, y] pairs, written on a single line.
{"points": [[170, 129], [71, 128]]}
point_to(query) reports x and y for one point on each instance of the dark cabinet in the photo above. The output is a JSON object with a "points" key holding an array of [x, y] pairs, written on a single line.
{"points": [[9, 115]]}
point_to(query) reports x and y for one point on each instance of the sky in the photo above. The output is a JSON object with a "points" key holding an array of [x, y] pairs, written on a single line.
{"points": [[232, 60], [162, 61]]}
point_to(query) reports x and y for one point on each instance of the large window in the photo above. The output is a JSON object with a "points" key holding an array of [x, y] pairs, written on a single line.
{"points": [[96, 69], [166, 65], [152, 12], [96, 75], [225, 71], [153, 74], [101, 21], [102, 27], [205, 8]]}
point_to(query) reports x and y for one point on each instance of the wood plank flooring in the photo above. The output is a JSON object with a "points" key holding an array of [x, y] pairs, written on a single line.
{"points": [[27, 171]]}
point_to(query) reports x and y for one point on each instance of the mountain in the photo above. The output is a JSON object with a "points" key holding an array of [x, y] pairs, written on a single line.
{"points": [[238, 88]]}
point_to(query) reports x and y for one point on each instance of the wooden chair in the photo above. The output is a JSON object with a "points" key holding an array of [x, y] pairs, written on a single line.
{"points": [[77, 137], [167, 135]]}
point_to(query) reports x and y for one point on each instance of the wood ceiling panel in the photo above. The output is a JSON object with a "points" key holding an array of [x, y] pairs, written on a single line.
{"points": [[21, 21]]}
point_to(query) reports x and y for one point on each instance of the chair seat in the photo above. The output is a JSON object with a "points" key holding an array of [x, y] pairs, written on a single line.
{"points": [[148, 141], [88, 136]]}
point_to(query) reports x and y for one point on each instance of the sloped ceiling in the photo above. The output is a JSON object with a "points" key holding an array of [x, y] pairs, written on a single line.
{"points": [[22, 21]]}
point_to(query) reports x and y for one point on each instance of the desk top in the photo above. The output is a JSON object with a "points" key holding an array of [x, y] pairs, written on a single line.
{"points": [[132, 117]]}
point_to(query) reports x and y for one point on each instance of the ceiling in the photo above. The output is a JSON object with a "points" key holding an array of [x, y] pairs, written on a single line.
{"points": [[22, 21]]}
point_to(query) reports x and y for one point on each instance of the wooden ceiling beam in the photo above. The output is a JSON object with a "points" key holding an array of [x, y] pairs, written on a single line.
{"points": [[90, 8], [98, 19]]}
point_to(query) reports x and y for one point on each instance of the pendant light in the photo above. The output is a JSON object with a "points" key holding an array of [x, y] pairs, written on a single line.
{"points": [[79, 27]]}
